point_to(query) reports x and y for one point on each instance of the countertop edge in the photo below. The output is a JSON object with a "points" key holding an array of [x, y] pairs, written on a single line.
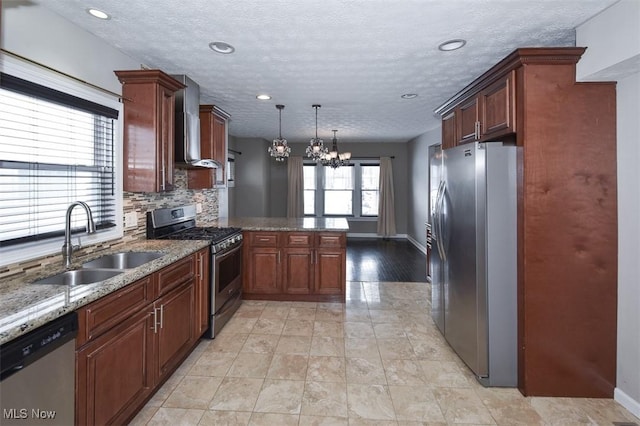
{"points": [[45, 303]]}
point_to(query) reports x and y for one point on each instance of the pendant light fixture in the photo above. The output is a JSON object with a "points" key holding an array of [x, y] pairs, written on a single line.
{"points": [[316, 149], [334, 158], [279, 148]]}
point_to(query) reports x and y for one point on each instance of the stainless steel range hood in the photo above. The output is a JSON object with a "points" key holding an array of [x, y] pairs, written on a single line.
{"points": [[187, 126]]}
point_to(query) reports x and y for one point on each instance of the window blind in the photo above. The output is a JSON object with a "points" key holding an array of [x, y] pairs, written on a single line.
{"points": [[55, 148]]}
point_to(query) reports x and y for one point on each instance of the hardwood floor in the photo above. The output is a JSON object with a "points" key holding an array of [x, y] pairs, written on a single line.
{"points": [[384, 260]]}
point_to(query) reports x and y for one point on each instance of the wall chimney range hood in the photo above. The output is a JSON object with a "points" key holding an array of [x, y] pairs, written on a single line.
{"points": [[187, 126]]}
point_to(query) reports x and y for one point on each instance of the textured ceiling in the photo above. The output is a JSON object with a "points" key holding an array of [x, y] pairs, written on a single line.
{"points": [[354, 57]]}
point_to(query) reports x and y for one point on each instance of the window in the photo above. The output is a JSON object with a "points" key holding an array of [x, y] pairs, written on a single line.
{"points": [[55, 148], [309, 176], [369, 189], [338, 191], [345, 191]]}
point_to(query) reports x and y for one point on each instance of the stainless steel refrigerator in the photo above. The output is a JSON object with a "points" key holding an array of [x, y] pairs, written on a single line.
{"points": [[474, 294]]}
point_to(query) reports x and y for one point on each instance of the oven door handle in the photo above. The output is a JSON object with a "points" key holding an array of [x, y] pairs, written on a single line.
{"points": [[219, 257]]}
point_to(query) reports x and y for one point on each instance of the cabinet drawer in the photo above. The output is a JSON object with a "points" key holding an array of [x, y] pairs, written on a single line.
{"points": [[299, 239], [263, 239], [174, 275], [331, 240], [103, 314]]}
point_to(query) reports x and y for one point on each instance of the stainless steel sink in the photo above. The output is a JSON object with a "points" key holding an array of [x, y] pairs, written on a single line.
{"points": [[124, 260], [80, 277]]}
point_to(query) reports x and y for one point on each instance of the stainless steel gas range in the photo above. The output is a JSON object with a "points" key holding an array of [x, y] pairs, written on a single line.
{"points": [[179, 223]]}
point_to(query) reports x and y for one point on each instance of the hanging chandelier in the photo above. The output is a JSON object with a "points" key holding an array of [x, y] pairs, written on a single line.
{"points": [[279, 147], [334, 158], [316, 149]]}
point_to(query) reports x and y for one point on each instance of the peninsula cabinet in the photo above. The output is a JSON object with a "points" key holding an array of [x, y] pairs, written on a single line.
{"points": [[149, 104], [305, 266], [567, 213], [213, 145], [130, 341]]}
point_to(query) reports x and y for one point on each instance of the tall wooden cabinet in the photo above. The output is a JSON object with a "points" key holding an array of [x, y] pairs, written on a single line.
{"points": [[567, 220], [213, 145], [294, 265], [149, 104]]}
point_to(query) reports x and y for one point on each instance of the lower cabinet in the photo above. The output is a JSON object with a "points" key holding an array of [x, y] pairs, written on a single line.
{"points": [[114, 372], [131, 340], [295, 265], [175, 319]]}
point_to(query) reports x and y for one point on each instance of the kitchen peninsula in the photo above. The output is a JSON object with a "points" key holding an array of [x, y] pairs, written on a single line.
{"points": [[296, 259]]}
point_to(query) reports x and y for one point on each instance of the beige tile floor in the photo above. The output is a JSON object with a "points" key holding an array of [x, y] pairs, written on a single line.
{"points": [[376, 360]]}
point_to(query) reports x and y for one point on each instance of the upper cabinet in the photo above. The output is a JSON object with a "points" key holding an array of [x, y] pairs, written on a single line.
{"points": [[149, 103], [213, 144], [482, 116]]}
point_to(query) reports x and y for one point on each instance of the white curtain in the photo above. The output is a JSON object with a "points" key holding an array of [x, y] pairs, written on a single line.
{"points": [[386, 205], [295, 188]]}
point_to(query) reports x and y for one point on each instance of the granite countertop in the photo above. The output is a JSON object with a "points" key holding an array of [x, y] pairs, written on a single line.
{"points": [[24, 306], [284, 224]]}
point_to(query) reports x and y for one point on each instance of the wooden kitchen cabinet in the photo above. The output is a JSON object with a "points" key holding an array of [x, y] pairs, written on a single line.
{"points": [[295, 266], [148, 151], [176, 318], [449, 133], [213, 145], [566, 217], [330, 264], [131, 340], [114, 373], [484, 116]]}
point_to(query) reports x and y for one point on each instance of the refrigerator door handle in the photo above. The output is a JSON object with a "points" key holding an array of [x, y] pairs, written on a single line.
{"points": [[438, 220], [442, 223]]}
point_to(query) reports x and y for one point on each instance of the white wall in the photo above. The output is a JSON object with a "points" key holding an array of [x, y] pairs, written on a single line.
{"points": [[612, 39], [251, 198], [418, 149], [38, 34]]}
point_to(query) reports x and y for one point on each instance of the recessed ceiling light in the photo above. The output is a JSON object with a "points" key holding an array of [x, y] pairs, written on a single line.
{"points": [[222, 47], [409, 96], [452, 44], [98, 14], [263, 97]]}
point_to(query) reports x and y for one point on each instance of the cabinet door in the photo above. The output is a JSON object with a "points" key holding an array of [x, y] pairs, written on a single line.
{"points": [[263, 270], [330, 269], [449, 131], [467, 118], [220, 148], [114, 375], [167, 117], [203, 292], [297, 270], [498, 108], [175, 318]]}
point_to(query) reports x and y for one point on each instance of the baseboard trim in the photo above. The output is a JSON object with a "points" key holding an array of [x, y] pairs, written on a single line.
{"points": [[627, 402], [372, 235], [419, 246]]}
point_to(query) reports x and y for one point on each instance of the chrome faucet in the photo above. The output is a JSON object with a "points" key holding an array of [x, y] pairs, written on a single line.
{"points": [[67, 248]]}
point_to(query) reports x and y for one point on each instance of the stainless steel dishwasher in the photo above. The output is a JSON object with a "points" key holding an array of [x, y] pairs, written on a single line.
{"points": [[37, 379]]}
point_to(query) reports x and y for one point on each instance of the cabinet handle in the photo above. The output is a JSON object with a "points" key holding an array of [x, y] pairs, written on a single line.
{"points": [[263, 239], [316, 257], [278, 256], [155, 320], [161, 316], [201, 266], [312, 254]]}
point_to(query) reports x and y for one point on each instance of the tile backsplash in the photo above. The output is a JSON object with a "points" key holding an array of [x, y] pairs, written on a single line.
{"points": [[141, 203]]}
